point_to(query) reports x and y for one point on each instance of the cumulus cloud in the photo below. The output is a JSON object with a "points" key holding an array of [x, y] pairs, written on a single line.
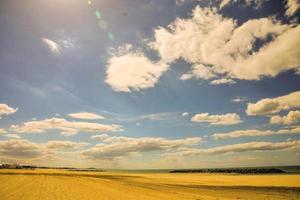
{"points": [[291, 118], [292, 6], [215, 46], [66, 127], [6, 110], [224, 119], [130, 70], [243, 147], [199, 71], [222, 81], [52, 45], [85, 115], [274, 105], [209, 40], [114, 147], [255, 133]]}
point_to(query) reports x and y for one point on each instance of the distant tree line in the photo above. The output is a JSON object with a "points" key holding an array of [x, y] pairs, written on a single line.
{"points": [[16, 166]]}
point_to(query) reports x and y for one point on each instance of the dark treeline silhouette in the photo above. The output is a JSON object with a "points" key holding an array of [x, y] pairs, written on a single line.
{"points": [[232, 170], [16, 166]]}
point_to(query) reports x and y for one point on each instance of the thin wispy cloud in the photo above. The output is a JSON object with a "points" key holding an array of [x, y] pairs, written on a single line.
{"points": [[223, 81], [237, 148], [239, 99], [255, 133], [85, 115], [64, 126], [52, 45]]}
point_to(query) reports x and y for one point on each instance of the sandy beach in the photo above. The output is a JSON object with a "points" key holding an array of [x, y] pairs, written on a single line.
{"points": [[61, 184]]}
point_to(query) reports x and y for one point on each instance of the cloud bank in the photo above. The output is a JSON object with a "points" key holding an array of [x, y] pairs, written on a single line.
{"points": [[255, 133], [235, 148], [114, 147], [66, 127]]}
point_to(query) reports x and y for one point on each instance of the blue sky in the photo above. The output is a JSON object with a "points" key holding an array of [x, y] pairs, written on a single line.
{"points": [[150, 82]]}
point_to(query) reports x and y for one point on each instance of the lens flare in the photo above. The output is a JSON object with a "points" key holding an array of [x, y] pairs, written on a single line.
{"points": [[98, 14], [102, 23]]}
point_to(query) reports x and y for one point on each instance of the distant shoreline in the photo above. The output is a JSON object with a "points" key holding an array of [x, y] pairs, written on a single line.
{"points": [[234, 171], [239, 170]]}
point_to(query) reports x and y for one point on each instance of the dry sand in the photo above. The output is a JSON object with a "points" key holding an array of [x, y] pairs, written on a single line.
{"points": [[66, 185]]}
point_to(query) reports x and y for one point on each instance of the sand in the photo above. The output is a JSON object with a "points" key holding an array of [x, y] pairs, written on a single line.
{"points": [[60, 184]]}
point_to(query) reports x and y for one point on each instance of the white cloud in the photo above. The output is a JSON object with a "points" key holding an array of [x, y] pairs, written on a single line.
{"points": [[212, 41], [54, 144], [52, 45], [100, 137], [2, 131], [130, 70], [255, 133], [239, 99], [274, 105], [114, 147], [215, 46], [185, 114], [224, 3], [255, 3], [243, 147], [66, 127], [199, 71], [222, 81], [158, 116], [224, 119], [291, 118], [6, 110], [292, 6], [12, 136], [85, 115]]}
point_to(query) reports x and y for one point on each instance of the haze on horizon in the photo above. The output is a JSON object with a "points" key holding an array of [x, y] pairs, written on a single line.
{"points": [[150, 84]]}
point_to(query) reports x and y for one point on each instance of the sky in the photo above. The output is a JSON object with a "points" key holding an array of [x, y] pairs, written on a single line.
{"points": [[142, 84]]}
